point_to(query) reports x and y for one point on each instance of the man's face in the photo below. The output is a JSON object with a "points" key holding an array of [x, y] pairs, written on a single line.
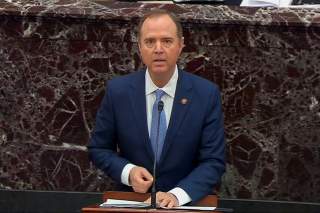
{"points": [[159, 45]]}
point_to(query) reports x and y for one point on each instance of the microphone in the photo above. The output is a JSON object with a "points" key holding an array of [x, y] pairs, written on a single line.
{"points": [[160, 108], [153, 190]]}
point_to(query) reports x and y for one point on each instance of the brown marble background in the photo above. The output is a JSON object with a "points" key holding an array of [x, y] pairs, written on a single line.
{"points": [[56, 56]]}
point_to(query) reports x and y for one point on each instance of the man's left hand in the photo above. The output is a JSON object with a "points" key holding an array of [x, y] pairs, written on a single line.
{"points": [[165, 200]]}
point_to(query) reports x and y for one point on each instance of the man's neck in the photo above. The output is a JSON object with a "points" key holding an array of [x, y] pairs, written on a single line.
{"points": [[161, 80]]}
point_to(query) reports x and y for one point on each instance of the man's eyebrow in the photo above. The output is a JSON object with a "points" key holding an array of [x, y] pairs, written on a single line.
{"points": [[148, 38]]}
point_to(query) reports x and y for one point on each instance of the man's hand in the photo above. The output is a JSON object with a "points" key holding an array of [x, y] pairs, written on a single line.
{"points": [[140, 179], [165, 200]]}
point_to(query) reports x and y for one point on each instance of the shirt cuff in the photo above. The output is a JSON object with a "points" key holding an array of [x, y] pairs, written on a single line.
{"points": [[125, 173], [181, 195]]}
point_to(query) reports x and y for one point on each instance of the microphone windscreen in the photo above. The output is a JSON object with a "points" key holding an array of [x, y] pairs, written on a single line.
{"points": [[160, 106]]}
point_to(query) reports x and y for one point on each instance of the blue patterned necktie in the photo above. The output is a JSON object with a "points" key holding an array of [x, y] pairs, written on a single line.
{"points": [[154, 126]]}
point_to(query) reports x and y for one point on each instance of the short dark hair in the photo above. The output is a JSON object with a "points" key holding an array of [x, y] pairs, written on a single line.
{"points": [[160, 12]]}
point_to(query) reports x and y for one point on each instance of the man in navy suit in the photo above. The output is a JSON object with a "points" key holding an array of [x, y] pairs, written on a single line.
{"points": [[190, 134]]}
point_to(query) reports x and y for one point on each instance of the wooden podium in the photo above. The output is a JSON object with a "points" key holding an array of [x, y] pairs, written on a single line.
{"points": [[210, 200]]}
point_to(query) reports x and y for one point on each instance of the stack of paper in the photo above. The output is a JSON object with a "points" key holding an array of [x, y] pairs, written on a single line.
{"points": [[135, 204], [124, 204], [266, 3]]}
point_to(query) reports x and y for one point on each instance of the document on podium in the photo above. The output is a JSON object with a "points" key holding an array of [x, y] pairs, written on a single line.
{"points": [[265, 3], [124, 204], [277, 3], [136, 204]]}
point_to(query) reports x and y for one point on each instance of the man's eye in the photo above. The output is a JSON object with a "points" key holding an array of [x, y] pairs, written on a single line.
{"points": [[149, 42], [167, 42]]}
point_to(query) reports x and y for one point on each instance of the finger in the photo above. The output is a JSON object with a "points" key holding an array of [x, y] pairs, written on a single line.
{"points": [[138, 186], [174, 200], [137, 189], [135, 174], [141, 189], [165, 202], [146, 175], [160, 196], [141, 181], [148, 200], [143, 184], [170, 204]]}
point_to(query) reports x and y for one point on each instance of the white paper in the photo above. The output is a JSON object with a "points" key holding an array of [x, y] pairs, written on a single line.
{"points": [[266, 3], [156, 2], [201, 208], [136, 204], [123, 204], [305, 6]]}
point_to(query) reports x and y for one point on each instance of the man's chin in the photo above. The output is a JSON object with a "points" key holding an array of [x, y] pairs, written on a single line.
{"points": [[159, 70]]}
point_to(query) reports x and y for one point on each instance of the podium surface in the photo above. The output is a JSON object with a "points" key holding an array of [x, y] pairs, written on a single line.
{"points": [[210, 200]]}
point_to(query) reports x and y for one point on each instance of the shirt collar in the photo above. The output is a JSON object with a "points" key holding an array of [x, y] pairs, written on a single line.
{"points": [[169, 88]]}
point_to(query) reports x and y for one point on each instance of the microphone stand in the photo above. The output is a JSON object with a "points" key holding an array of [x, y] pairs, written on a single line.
{"points": [[153, 190]]}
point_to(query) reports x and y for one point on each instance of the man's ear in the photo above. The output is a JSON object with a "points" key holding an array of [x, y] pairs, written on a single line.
{"points": [[182, 44], [140, 56], [139, 46]]}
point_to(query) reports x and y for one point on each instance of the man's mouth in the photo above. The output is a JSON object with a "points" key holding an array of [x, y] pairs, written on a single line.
{"points": [[159, 60]]}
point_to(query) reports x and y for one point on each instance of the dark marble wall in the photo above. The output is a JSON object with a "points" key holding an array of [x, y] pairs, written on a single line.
{"points": [[56, 57]]}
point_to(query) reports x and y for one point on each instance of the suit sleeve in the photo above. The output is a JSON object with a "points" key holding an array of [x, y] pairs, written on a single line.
{"points": [[211, 154], [103, 147]]}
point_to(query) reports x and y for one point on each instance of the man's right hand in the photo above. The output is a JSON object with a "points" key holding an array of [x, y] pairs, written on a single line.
{"points": [[140, 179]]}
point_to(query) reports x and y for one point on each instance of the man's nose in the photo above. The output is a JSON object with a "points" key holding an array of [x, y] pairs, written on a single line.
{"points": [[158, 47]]}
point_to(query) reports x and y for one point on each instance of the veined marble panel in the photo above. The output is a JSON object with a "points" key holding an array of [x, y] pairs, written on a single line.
{"points": [[57, 55]]}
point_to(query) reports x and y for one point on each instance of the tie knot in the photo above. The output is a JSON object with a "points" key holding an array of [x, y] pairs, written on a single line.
{"points": [[159, 94]]}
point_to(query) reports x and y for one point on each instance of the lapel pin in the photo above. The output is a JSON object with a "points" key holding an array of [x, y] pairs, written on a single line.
{"points": [[184, 101]]}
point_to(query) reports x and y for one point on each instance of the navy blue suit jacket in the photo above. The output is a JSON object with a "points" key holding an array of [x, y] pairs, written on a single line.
{"points": [[193, 156]]}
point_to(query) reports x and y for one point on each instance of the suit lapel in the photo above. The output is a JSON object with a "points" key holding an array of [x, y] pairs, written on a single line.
{"points": [[138, 100], [181, 104]]}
